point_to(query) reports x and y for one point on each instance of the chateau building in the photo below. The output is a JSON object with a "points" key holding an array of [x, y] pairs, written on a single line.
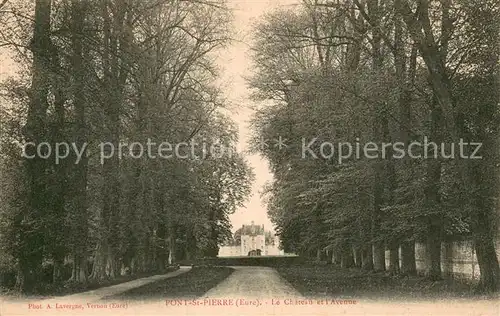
{"points": [[252, 238]]}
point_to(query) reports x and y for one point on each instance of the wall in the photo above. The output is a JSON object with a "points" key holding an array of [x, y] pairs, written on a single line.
{"points": [[273, 251], [458, 259], [231, 251]]}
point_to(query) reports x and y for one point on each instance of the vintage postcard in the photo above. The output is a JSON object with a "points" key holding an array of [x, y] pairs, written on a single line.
{"points": [[249, 157]]}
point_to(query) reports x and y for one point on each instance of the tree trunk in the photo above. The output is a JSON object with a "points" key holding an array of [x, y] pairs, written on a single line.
{"points": [[484, 225], [347, 260], [484, 177], [357, 257], [115, 71], [171, 249], [99, 264], [328, 256], [367, 257], [337, 256], [379, 257], [161, 248], [30, 251], [434, 221], [487, 260], [405, 75], [408, 263], [79, 212], [79, 270], [394, 259], [433, 249], [57, 270], [378, 127]]}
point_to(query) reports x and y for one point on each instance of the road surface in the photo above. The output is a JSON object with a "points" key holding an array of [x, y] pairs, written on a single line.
{"points": [[100, 293], [253, 282]]}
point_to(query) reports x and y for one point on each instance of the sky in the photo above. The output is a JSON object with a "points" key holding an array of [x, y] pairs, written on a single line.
{"points": [[236, 64]]}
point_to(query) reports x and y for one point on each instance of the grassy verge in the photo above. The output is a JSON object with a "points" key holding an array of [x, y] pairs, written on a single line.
{"points": [[333, 281], [191, 284]]}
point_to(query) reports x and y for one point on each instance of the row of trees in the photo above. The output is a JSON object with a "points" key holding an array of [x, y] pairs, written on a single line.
{"points": [[114, 72], [384, 72]]}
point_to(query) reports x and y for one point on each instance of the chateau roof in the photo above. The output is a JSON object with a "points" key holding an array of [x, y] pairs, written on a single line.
{"points": [[252, 230]]}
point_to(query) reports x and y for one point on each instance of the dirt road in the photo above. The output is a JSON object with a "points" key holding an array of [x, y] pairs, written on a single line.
{"points": [[253, 282]]}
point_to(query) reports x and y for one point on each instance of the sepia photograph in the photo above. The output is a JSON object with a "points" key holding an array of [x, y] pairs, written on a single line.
{"points": [[249, 157]]}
